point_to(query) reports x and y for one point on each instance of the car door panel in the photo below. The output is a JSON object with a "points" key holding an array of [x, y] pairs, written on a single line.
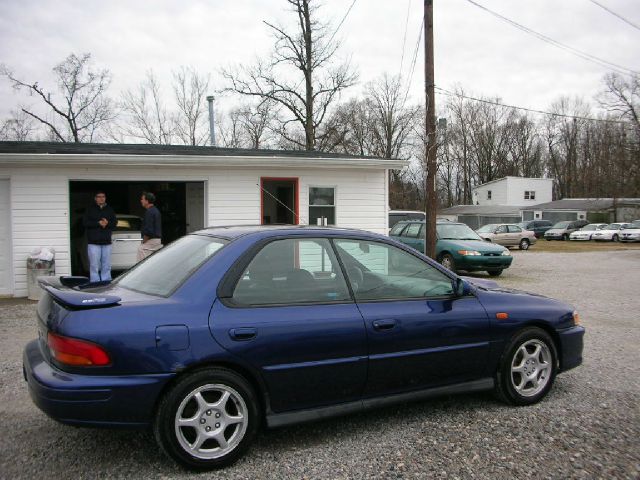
{"points": [[432, 342], [308, 356]]}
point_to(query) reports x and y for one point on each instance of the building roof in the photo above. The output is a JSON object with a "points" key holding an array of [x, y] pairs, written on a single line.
{"points": [[486, 210], [81, 153], [510, 176], [583, 204]]}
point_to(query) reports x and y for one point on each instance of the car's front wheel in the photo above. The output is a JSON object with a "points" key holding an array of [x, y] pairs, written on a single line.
{"points": [[495, 273], [527, 368], [615, 238], [565, 237], [524, 244], [447, 261], [207, 419]]}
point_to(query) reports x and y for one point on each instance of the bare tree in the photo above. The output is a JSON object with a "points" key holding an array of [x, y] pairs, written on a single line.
{"points": [[145, 115], [622, 97], [19, 127], [84, 107], [191, 90], [309, 51]]}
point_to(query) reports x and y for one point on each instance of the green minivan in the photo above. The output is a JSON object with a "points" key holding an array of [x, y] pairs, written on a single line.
{"points": [[457, 246]]}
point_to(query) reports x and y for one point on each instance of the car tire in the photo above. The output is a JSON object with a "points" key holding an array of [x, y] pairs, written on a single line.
{"points": [[495, 273], [447, 261], [524, 244], [217, 408], [527, 368], [565, 237], [615, 238]]}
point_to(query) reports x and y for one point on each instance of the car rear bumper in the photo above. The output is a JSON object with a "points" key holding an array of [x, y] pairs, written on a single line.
{"points": [[571, 346], [90, 400]]}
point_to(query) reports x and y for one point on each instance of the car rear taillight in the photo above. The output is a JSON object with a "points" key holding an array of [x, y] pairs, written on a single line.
{"points": [[78, 353]]}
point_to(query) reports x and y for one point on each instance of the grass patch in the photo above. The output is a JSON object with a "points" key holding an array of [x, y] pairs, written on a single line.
{"points": [[576, 247]]}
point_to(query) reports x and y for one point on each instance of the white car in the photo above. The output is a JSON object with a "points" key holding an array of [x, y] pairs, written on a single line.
{"points": [[609, 232], [586, 232], [631, 233]]}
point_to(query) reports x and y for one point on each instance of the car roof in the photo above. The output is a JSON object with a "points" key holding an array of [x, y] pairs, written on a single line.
{"points": [[231, 232], [405, 211]]}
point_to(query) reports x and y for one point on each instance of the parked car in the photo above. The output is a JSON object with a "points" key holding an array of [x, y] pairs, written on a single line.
{"points": [[631, 233], [536, 226], [231, 328], [125, 239], [585, 233], [562, 230], [396, 216], [507, 235], [609, 232], [457, 246]]}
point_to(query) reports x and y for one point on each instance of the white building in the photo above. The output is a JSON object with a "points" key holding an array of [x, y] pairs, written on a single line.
{"points": [[45, 187], [514, 191]]}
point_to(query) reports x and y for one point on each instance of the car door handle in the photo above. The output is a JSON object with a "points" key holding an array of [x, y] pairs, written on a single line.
{"points": [[241, 334], [381, 325]]}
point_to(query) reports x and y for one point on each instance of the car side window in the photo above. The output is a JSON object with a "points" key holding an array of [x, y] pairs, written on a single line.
{"points": [[377, 271], [514, 229], [292, 271], [397, 229], [501, 229], [412, 230]]}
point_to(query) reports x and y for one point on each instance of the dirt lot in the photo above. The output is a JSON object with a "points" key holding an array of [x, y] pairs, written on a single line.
{"points": [[588, 427]]}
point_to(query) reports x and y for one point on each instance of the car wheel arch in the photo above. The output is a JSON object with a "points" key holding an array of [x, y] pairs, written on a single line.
{"points": [[548, 329], [254, 381]]}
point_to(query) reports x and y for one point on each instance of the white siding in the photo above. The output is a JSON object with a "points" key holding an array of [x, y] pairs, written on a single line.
{"points": [[6, 261], [498, 194], [510, 191], [40, 200]]}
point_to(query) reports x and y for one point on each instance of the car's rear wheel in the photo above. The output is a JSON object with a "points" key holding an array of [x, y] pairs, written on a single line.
{"points": [[524, 244], [528, 367], [207, 419], [495, 273], [447, 261]]}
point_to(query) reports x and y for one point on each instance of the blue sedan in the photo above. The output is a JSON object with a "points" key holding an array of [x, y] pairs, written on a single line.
{"points": [[231, 328]]}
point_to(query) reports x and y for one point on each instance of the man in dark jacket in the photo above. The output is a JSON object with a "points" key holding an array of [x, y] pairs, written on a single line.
{"points": [[99, 222], [151, 227]]}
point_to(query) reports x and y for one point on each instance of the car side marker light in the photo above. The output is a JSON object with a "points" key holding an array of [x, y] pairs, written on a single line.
{"points": [[502, 315]]}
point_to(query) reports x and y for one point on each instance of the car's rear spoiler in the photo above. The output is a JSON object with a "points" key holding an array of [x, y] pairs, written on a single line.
{"points": [[58, 288]]}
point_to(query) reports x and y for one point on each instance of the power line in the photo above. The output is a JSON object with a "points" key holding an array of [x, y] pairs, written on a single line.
{"points": [[404, 39], [342, 21], [442, 91], [616, 14], [413, 62], [585, 56]]}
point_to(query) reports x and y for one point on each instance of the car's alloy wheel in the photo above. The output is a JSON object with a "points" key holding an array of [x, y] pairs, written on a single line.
{"points": [[524, 244], [447, 261], [208, 419], [528, 367]]}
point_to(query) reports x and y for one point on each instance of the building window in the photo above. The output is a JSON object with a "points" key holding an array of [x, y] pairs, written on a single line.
{"points": [[529, 195], [322, 206], [488, 194]]}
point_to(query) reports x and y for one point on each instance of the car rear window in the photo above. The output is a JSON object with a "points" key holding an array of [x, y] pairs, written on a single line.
{"points": [[164, 271]]}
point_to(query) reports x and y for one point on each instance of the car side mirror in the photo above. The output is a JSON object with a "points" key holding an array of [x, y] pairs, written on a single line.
{"points": [[461, 288]]}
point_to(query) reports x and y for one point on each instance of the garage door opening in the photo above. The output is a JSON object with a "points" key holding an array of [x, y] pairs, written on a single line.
{"points": [[279, 201], [180, 203]]}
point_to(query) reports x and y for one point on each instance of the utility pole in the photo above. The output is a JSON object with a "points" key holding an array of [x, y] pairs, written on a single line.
{"points": [[212, 121], [430, 179]]}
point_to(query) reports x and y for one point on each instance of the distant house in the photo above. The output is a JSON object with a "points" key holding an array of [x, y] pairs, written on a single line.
{"points": [[591, 209], [500, 201], [515, 191], [46, 187]]}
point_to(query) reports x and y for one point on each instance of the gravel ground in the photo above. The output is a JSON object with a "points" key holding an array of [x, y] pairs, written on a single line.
{"points": [[588, 427]]}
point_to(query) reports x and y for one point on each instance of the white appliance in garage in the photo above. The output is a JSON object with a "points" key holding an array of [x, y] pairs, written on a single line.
{"points": [[6, 277]]}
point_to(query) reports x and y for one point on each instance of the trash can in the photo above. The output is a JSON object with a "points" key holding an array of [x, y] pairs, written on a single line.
{"points": [[41, 263]]}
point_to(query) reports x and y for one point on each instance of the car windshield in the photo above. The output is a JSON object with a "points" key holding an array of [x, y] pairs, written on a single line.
{"points": [[397, 229], [165, 270], [590, 227], [487, 228], [562, 225], [456, 231], [635, 224], [611, 226], [523, 225]]}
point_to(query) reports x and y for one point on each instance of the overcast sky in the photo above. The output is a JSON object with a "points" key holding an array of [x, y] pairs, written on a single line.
{"points": [[473, 49]]}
